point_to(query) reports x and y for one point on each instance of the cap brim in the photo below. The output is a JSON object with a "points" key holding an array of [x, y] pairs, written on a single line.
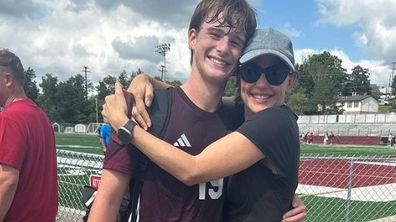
{"points": [[259, 52]]}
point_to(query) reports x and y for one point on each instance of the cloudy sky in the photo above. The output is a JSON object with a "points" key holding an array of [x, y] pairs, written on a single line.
{"points": [[108, 36]]}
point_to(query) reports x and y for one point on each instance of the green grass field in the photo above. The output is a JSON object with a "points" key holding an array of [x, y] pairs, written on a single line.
{"points": [[318, 208], [85, 143]]}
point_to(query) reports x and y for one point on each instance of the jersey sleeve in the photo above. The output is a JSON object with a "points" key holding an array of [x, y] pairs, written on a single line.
{"points": [[273, 132], [12, 143], [120, 158]]}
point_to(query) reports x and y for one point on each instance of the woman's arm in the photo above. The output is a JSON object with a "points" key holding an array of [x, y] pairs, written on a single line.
{"points": [[224, 157]]}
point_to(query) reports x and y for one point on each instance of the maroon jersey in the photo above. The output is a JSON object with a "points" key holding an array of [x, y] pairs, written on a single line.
{"points": [[163, 197]]}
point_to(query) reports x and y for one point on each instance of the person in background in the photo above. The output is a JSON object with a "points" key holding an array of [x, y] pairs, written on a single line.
{"points": [[390, 138], [310, 138], [326, 139], [28, 170], [262, 155], [104, 136]]}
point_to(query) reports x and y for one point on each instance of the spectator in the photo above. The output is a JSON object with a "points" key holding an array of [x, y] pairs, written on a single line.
{"points": [[326, 139], [310, 138], [104, 136], [28, 172], [331, 137], [390, 139]]}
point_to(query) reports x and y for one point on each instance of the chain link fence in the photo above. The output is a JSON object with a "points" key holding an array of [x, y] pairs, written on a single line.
{"points": [[333, 188], [74, 170], [357, 188]]}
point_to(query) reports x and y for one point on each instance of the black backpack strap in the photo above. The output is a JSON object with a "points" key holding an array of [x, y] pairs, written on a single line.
{"points": [[159, 114]]}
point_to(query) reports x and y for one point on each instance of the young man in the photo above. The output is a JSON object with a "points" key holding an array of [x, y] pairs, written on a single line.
{"points": [[28, 172], [216, 36]]}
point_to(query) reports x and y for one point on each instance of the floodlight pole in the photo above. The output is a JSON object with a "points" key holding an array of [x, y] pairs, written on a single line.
{"points": [[86, 71], [96, 109], [162, 49]]}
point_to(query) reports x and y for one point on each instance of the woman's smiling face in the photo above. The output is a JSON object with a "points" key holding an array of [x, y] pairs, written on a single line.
{"points": [[261, 95]]}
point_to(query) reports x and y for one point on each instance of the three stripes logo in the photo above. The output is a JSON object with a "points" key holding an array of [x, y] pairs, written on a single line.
{"points": [[182, 141]]}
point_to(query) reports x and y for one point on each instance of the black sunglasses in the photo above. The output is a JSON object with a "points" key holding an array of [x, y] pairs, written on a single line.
{"points": [[275, 75]]}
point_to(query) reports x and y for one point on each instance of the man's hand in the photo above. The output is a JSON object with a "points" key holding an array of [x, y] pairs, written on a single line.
{"points": [[115, 108], [297, 214], [142, 90]]}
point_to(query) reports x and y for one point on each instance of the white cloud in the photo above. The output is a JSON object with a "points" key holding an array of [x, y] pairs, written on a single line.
{"points": [[376, 21], [379, 70], [61, 37], [290, 31]]}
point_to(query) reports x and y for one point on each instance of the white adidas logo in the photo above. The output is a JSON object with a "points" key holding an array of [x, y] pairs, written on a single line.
{"points": [[182, 141]]}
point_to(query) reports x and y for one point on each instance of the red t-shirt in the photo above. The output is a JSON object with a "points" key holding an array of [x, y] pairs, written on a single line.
{"points": [[27, 143]]}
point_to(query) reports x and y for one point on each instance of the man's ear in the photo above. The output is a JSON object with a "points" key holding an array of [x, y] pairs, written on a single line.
{"points": [[192, 38], [7, 79]]}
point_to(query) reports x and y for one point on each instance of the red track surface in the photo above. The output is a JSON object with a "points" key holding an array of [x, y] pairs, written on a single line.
{"points": [[334, 173]]}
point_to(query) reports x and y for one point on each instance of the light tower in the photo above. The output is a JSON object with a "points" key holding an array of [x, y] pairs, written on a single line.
{"points": [[86, 71], [162, 49]]}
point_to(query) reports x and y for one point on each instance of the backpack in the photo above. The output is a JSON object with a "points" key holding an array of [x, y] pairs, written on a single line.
{"points": [[159, 113]]}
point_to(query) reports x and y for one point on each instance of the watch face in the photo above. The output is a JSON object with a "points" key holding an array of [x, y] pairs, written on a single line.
{"points": [[124, 136]]}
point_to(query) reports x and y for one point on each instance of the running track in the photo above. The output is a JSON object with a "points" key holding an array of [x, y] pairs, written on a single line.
{"points": [[334, 173]]}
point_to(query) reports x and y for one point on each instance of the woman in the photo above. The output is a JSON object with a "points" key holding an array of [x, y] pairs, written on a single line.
{"points": [[262, 154]]}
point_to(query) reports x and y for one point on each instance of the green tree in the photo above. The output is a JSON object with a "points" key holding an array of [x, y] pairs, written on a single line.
{"points": [[134, 74], [303, 88], [75, 108], [31, 89], [375, 92], [124, 79], [174, 83], [393, 87], [298, 102], [231, 87], [359, 81], [328, 75], [49, 99]]}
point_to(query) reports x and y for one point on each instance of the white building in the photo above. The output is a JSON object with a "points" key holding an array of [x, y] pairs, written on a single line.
{"points": [[358, 104]]}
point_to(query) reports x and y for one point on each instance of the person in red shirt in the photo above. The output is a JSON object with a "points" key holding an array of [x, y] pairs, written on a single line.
{"points": [[28, 171]]}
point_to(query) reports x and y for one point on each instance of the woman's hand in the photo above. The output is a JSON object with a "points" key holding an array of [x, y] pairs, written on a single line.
{"points": [[115, 108], [297, 214], [142, 90]]}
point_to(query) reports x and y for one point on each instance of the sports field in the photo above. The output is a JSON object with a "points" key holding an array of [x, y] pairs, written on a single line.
{"points": [[336, 183]]}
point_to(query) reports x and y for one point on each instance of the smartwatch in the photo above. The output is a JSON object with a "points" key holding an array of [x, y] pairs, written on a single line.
{"points": [[125, 132]]}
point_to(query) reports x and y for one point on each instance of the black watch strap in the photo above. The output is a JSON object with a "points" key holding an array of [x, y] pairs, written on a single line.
{"points": [[125, 132]]}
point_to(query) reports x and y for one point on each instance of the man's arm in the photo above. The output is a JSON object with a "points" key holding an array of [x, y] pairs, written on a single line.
{"points": [[9, 178], [112, 188]]}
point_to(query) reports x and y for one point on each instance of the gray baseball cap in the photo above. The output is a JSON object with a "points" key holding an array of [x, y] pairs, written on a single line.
{"points": [[269, 41]]}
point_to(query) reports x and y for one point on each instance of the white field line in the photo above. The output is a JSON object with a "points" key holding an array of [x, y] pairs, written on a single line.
{"points": [[377, 193], [77, 146]]}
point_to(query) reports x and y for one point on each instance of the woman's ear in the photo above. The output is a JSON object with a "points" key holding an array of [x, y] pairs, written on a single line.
{"points": [[291, 80]]}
